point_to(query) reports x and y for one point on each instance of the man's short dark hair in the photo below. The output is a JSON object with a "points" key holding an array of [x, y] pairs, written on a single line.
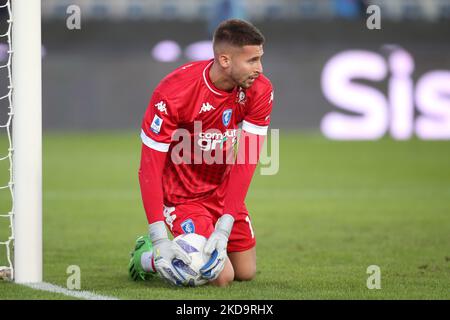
{"points": [[238, 33]]}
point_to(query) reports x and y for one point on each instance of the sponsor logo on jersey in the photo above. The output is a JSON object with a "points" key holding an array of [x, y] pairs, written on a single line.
{"points": [[156, 124], [226, 117], [206, 107], [161, 107], [188, 226], [208, 141]]}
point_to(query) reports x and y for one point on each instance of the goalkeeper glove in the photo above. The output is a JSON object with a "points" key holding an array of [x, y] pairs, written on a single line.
{"points": [[165, 251], [216, 247]]}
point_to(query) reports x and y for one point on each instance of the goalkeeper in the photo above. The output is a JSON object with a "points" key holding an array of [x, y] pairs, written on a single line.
{"points": [[207, 100]]}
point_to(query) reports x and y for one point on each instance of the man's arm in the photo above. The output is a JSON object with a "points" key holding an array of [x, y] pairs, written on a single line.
{"points": [[160, 121], [241, 174], [254, 129], [150, 181], [157, 127], [250, 146]]}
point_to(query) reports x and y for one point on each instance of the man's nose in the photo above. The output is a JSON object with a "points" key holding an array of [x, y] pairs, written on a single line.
{"points": [[259, 68]]}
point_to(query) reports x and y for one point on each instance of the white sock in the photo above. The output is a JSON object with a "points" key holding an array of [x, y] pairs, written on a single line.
{"points": [[147, 261]]}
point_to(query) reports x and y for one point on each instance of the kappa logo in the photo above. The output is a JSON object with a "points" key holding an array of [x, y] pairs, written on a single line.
{"points": [[226, 117], [206, 107], [161, 107], [188, 226]]}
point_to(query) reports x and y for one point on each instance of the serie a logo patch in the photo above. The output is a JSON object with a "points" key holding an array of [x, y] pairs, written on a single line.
{"points": [[156, 124]]}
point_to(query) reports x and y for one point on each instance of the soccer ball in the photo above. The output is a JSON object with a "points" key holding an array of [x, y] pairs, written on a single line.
{"points": [[192, 244]]}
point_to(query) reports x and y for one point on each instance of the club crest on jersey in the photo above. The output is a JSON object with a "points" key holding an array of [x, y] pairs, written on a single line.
{"points": [[226, 117], [188, 226], [156, 124]]}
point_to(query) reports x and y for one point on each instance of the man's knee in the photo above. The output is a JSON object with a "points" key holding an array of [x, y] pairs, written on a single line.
{"points": [[245, 273], [225, 277], [244, 264]]}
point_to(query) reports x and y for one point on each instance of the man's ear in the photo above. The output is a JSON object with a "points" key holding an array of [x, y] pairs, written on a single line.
{"points": [[224, 60]]}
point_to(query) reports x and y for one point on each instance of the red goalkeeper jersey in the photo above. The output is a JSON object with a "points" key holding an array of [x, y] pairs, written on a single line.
{"points": [[187, 105]]}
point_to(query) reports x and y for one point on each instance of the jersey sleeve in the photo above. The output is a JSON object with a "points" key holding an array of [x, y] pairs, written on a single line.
{"points": [[258, 118], [160, 121], [150, 181], [242, 172]]}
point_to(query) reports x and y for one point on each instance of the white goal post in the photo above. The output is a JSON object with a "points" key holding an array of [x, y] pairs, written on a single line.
{"points": [[27, 140]]}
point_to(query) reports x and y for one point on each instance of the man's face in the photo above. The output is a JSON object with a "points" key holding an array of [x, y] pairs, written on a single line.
{"points": [[246, 65]]}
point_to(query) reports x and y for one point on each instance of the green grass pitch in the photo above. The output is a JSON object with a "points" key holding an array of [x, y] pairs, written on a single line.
{"points": [[333, 209]]}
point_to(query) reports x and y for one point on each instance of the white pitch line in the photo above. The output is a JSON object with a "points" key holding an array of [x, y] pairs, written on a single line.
{"points": [[87, 295]]}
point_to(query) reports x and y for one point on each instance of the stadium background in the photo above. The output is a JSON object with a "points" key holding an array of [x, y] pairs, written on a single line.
{"points": [[349, 204], [110, 59]]}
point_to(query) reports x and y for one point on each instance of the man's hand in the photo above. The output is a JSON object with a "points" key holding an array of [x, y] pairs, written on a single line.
{"points": [[216, 247], [164, 252]]}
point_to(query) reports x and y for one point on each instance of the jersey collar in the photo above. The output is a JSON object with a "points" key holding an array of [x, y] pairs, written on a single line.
{"points": [[210, 85]]}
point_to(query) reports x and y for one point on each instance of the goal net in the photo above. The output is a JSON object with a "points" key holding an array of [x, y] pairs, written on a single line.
{"points": [[6, 161]]}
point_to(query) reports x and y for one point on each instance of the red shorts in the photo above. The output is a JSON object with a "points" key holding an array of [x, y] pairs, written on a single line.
{"points": [[201, 217]]}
